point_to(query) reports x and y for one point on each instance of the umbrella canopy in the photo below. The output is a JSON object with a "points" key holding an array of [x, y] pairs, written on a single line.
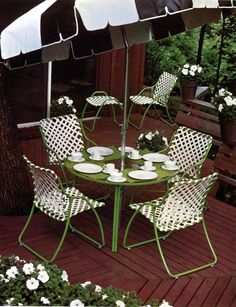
{"points": [[56, 29]]}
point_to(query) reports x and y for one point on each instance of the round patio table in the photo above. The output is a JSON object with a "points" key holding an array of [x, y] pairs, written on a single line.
{"points": [[101, 178]]}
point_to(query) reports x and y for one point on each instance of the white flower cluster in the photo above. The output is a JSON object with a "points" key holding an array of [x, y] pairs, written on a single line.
{"points": [[66, 101], [32, 282], [150, 135], [191, 70], [227, 98]]}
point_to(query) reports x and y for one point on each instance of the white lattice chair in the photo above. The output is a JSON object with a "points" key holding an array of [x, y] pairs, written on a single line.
{"points": [[62, 135], [61, 204], [100, 99], [181, 207], [156, 95], [189, 148]]}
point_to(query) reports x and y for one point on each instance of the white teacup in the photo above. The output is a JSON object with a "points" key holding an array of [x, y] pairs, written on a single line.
{"points": [[148, 165], [116, 176], [109, 167], [134, 154], [76, 155], [95, 155], [170, 164]]}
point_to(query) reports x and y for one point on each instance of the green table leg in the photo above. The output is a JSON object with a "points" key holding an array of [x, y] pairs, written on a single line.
{"points": [[116, 218]]}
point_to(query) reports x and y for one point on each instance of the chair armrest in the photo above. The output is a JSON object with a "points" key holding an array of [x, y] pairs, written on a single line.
{"points": [[148, 88], [89, 141]]}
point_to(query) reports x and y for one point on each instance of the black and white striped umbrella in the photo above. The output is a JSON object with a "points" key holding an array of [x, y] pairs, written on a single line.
{"points": [[55, 29]]}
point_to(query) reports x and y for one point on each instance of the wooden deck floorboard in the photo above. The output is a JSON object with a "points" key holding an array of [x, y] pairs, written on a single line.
{"points": [[141, 268]]}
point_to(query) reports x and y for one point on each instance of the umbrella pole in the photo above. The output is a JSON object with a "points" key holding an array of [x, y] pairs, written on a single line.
{"points": [[49, 88], [123, 125]]}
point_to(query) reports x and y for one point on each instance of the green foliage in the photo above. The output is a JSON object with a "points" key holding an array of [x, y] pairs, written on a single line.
{"points": [[173, 52], [33, 284]]}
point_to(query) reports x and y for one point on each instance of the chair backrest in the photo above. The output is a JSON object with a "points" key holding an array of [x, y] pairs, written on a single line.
{"points": [[48, 191], [189, 147], [62, 136], [163, 87], [184, 202]]}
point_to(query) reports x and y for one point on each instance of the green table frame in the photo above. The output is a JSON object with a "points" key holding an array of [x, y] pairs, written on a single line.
{"points": [[163, 176]]}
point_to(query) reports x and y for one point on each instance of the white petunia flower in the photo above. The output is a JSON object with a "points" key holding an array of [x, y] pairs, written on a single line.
{"points": [[164, 139], [32, 283], [10, 300], [12, 272], [40, 267], [28, 268], [98, 288], [86, 283], [76, 303], [104, 296], [199, 70], [165, 304], [194, 67], [64, 276], [74, 110], [44, 300], [120, 303], [192, 73], [141, 136], [43, 276], [186, 65], [60, 101], [17, 258], [229, 101], [184, 71], [149, 136]]}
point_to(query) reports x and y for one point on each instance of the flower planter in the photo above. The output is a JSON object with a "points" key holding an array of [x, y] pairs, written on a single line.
{"points": [[188, 90], [228, 132]]}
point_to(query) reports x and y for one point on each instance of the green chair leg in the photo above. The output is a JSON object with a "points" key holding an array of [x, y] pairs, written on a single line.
{"points": [[34, 252], [177, 275], [86, 236], [142, 120]]}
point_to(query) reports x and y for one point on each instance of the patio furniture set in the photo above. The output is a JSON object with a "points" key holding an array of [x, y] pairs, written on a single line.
{"points": [[182, 204]]}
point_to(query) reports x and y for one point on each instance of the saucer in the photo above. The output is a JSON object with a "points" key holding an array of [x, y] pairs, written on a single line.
{"points": [[174, 168], [148, 169], [122, 179], [140, 157], [99, 159], [81, 159]]}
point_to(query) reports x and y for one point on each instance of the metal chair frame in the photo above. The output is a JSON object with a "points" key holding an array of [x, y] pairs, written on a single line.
{"points": [[60, 204], [100, 99], [156, 95], [181, 207]]}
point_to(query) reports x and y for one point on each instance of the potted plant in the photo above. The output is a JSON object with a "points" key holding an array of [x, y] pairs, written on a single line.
{"points": [[153, 141], [225, 103], [189, 80], [62, 106]]}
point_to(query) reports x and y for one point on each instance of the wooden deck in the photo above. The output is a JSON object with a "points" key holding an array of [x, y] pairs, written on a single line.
{"points": [[140, 269]]}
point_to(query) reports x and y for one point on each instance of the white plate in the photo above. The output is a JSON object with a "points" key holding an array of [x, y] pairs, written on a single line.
{"points": [[99, 159], [140, 157], [143, 175], [88, 168], [76, 159], [122, 179], [104, 151], [127, 149], [174, 168], [145, 169], [155, 157]]}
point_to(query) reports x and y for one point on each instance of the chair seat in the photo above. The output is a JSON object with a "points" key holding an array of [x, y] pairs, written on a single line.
{"points": [[56, 204], [143, 100], [182, 218], [98, 101]]}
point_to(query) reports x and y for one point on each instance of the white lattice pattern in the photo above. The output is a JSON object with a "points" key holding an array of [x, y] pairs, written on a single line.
{"points": [[161, 91], [62, 135], [50, 198], [181, 206], [99, 101], [189, 148]]}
